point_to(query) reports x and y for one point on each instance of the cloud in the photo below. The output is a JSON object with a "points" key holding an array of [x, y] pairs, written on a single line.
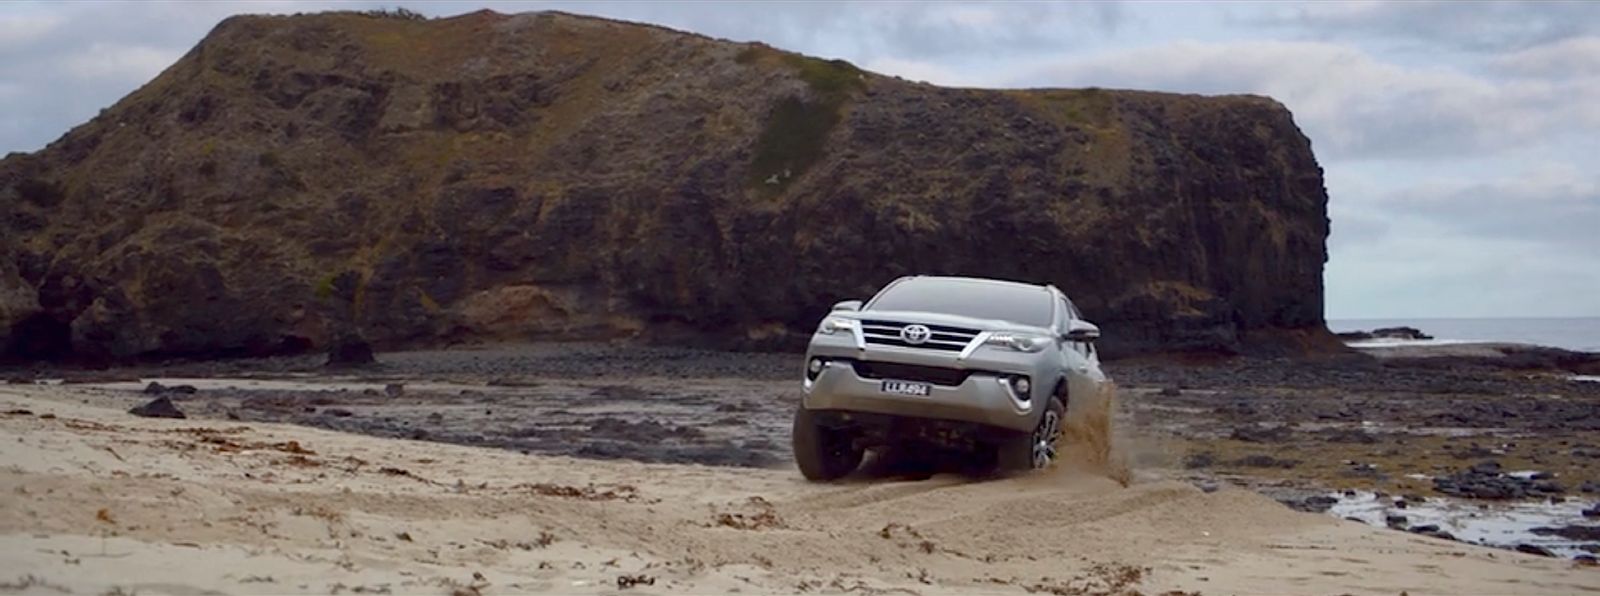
{"points": [[1555, 204], [134, 63], [1575, 57], [1506, 243], [1474, 26], [921, 71], [1352, 104], [867, 30], [22, 29]]}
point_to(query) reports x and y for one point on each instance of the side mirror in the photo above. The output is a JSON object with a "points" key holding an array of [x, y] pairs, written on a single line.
{"points": [[847, 306], [1079, 330]]}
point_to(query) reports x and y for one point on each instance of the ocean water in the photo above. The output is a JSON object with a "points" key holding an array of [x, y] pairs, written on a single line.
{"points": [[1581, 333]]}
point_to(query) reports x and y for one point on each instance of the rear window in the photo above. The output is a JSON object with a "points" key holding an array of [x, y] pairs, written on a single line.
{"points": [[1018, 304]]}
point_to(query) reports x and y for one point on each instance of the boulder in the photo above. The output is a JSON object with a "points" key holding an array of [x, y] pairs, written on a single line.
{"points": [[1400, 333], [349, 351], [161, 407]]}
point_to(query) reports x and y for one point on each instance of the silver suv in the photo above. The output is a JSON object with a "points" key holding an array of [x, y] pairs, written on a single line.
{"points": [[984, 366]]}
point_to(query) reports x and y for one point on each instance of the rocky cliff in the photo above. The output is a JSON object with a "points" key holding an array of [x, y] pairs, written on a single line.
{"points": [[546, 176]]}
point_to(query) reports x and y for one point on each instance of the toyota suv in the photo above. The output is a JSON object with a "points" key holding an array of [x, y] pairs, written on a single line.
{"points": [[983, 366]]}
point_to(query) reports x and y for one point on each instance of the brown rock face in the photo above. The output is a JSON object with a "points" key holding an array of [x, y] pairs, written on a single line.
{"points": [[542, 176]]}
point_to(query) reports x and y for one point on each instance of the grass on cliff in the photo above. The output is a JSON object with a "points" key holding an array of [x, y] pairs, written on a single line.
{"points": [[797, 131]]}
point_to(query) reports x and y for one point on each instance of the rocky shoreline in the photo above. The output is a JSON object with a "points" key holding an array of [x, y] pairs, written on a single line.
{"points": [[1435, 428]]}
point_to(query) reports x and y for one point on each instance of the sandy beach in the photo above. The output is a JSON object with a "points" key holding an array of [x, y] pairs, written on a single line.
{"points": [[96, 501]]}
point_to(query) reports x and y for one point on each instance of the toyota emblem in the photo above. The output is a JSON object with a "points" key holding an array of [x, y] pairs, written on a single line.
{"points": [[915, 334]]}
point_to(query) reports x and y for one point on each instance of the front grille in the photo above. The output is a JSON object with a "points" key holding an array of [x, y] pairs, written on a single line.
{"points": [[910, 372], [953, 339]]}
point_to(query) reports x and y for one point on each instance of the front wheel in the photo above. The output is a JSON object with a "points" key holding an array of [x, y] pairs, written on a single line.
{"points": [[822, 453], [1038, 449]]}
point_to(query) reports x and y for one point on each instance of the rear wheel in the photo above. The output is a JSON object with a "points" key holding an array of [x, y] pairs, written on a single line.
{"points": [[1038, 449], [822, 453]]}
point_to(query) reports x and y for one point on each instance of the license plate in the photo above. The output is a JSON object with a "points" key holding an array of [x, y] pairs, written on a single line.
{"points": [[905, 388]]}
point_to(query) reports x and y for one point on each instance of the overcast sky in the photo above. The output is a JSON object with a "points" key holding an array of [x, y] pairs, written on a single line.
{"points": [[1460, 140]]}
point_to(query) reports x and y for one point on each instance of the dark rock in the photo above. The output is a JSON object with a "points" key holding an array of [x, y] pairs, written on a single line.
{"points": [[1592, 511], [155, 388], [1264, 461], [1204, 459], [161, 407], [1312, 504], [1423, 529], [1171, 392], [1395, 521], [350, 351], [1586, 560], [394, 390], [1571, 532], [1547, 488], [1589, 487], [1533, 549], [1473, 451], [648, 431], [1589, 548], [1543, 476], [1400, 333], [1487, 467], [338, 412], [1349, 436], [1260, 434]]}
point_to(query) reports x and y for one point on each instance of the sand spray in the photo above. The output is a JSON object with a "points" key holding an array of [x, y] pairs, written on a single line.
{"points": [[1090, 441]]}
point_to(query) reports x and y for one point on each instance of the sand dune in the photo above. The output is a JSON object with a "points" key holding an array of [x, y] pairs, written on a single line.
{"points": [[93, 500]]}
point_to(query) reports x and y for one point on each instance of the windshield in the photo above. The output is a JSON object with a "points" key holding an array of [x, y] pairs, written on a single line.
{"points": [[1026, 305]]}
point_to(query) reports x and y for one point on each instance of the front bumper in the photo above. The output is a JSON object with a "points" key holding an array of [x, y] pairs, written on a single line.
{"points": [[982, 398]]}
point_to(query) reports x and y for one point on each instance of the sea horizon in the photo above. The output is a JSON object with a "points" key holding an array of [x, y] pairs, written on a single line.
{"points": [[1571, 333]]}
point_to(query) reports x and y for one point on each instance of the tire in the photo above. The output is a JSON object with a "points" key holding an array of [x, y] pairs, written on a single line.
{"points": [[1038, 449], [823, 454]]}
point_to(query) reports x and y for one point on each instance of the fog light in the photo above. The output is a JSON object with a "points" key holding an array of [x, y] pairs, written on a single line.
{"points": [[814, 368], [1022, 386]]}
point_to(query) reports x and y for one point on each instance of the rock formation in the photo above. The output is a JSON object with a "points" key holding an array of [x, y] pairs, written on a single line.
{"points": [[296, 179]]}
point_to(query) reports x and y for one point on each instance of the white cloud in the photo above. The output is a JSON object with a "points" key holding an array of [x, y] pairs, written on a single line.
{"points": [[1575, 57], [1352, 104], [20, 29], [1472, 25], [921, 71], [125, 62]]}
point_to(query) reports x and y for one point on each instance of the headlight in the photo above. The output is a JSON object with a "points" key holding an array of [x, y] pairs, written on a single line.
{"points": [[1020, 342], [837, 324]]}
